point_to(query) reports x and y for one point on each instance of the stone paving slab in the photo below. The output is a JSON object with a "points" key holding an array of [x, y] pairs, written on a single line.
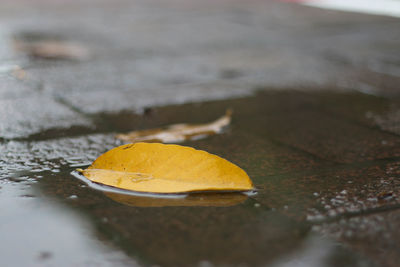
{"points": [[25, 116], [159, 54], [10, 88], [158, 45], [137, 100]]}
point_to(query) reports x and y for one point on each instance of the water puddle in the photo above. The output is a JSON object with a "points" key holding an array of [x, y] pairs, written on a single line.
{"points": [[44, 232], [308, 154]]}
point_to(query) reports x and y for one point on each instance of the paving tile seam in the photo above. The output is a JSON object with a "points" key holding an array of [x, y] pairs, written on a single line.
{"points": [[342, 117], [312, 155], [95, 118], [296, 149], [65, 103], [36, 137]]}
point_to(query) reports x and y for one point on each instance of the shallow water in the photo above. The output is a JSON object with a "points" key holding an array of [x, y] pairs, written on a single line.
{"points": [[314, 158]]}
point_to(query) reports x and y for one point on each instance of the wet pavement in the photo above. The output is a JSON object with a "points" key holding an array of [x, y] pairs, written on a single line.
{"points": [[316, 126]]}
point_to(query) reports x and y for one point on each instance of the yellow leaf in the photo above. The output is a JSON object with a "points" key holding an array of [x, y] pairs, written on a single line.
{"points": [[178, 132], [159, 168]]}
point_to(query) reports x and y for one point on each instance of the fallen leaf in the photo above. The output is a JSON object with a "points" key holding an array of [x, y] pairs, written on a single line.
{"points": [[178, 132], [52, 49], [160, 168], [203, 200]]}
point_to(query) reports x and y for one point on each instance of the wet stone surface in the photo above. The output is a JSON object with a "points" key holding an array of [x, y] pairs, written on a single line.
{"points": [[311, 205], [25, 116], [173, 52], [316, 126]]}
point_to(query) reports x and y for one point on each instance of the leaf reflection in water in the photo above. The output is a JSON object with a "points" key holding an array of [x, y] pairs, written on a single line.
{"points": [[197, 199]]}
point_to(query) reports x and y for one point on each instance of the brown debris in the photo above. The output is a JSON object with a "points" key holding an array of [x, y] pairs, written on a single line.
{"points": [[52, 49], [178, 132]]}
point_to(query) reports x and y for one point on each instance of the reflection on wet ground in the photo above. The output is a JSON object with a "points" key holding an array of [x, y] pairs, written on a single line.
{"points": [[196, 200], [325, 167], [40, 231]]}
